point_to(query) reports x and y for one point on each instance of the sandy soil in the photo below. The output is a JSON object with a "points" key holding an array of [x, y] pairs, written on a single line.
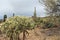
{"points": [[43, 34]]}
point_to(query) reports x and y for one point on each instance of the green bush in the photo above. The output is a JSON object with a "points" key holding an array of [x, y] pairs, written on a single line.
{"points": [[49, 25]]}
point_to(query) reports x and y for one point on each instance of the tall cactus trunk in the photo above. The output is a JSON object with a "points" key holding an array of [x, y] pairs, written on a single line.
{"points": [[24, 35], [18, 37], [11, 38]]}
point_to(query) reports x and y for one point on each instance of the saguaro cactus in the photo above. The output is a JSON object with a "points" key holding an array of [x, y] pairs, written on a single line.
{"points": [[34, 15], [5, 17]]}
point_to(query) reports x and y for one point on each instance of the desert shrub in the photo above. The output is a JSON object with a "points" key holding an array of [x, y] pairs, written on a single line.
{"points": [[13, 26], [49, 25]]}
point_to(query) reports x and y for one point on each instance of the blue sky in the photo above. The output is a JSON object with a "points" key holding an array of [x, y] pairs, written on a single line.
{"points": [[20, 7]]}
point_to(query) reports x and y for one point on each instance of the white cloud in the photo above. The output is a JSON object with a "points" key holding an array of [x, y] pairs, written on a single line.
{"points": [[24, 7]]}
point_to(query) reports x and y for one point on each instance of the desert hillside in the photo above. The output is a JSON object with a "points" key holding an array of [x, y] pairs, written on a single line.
{"points": [[43, 34], [40, 34]]}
